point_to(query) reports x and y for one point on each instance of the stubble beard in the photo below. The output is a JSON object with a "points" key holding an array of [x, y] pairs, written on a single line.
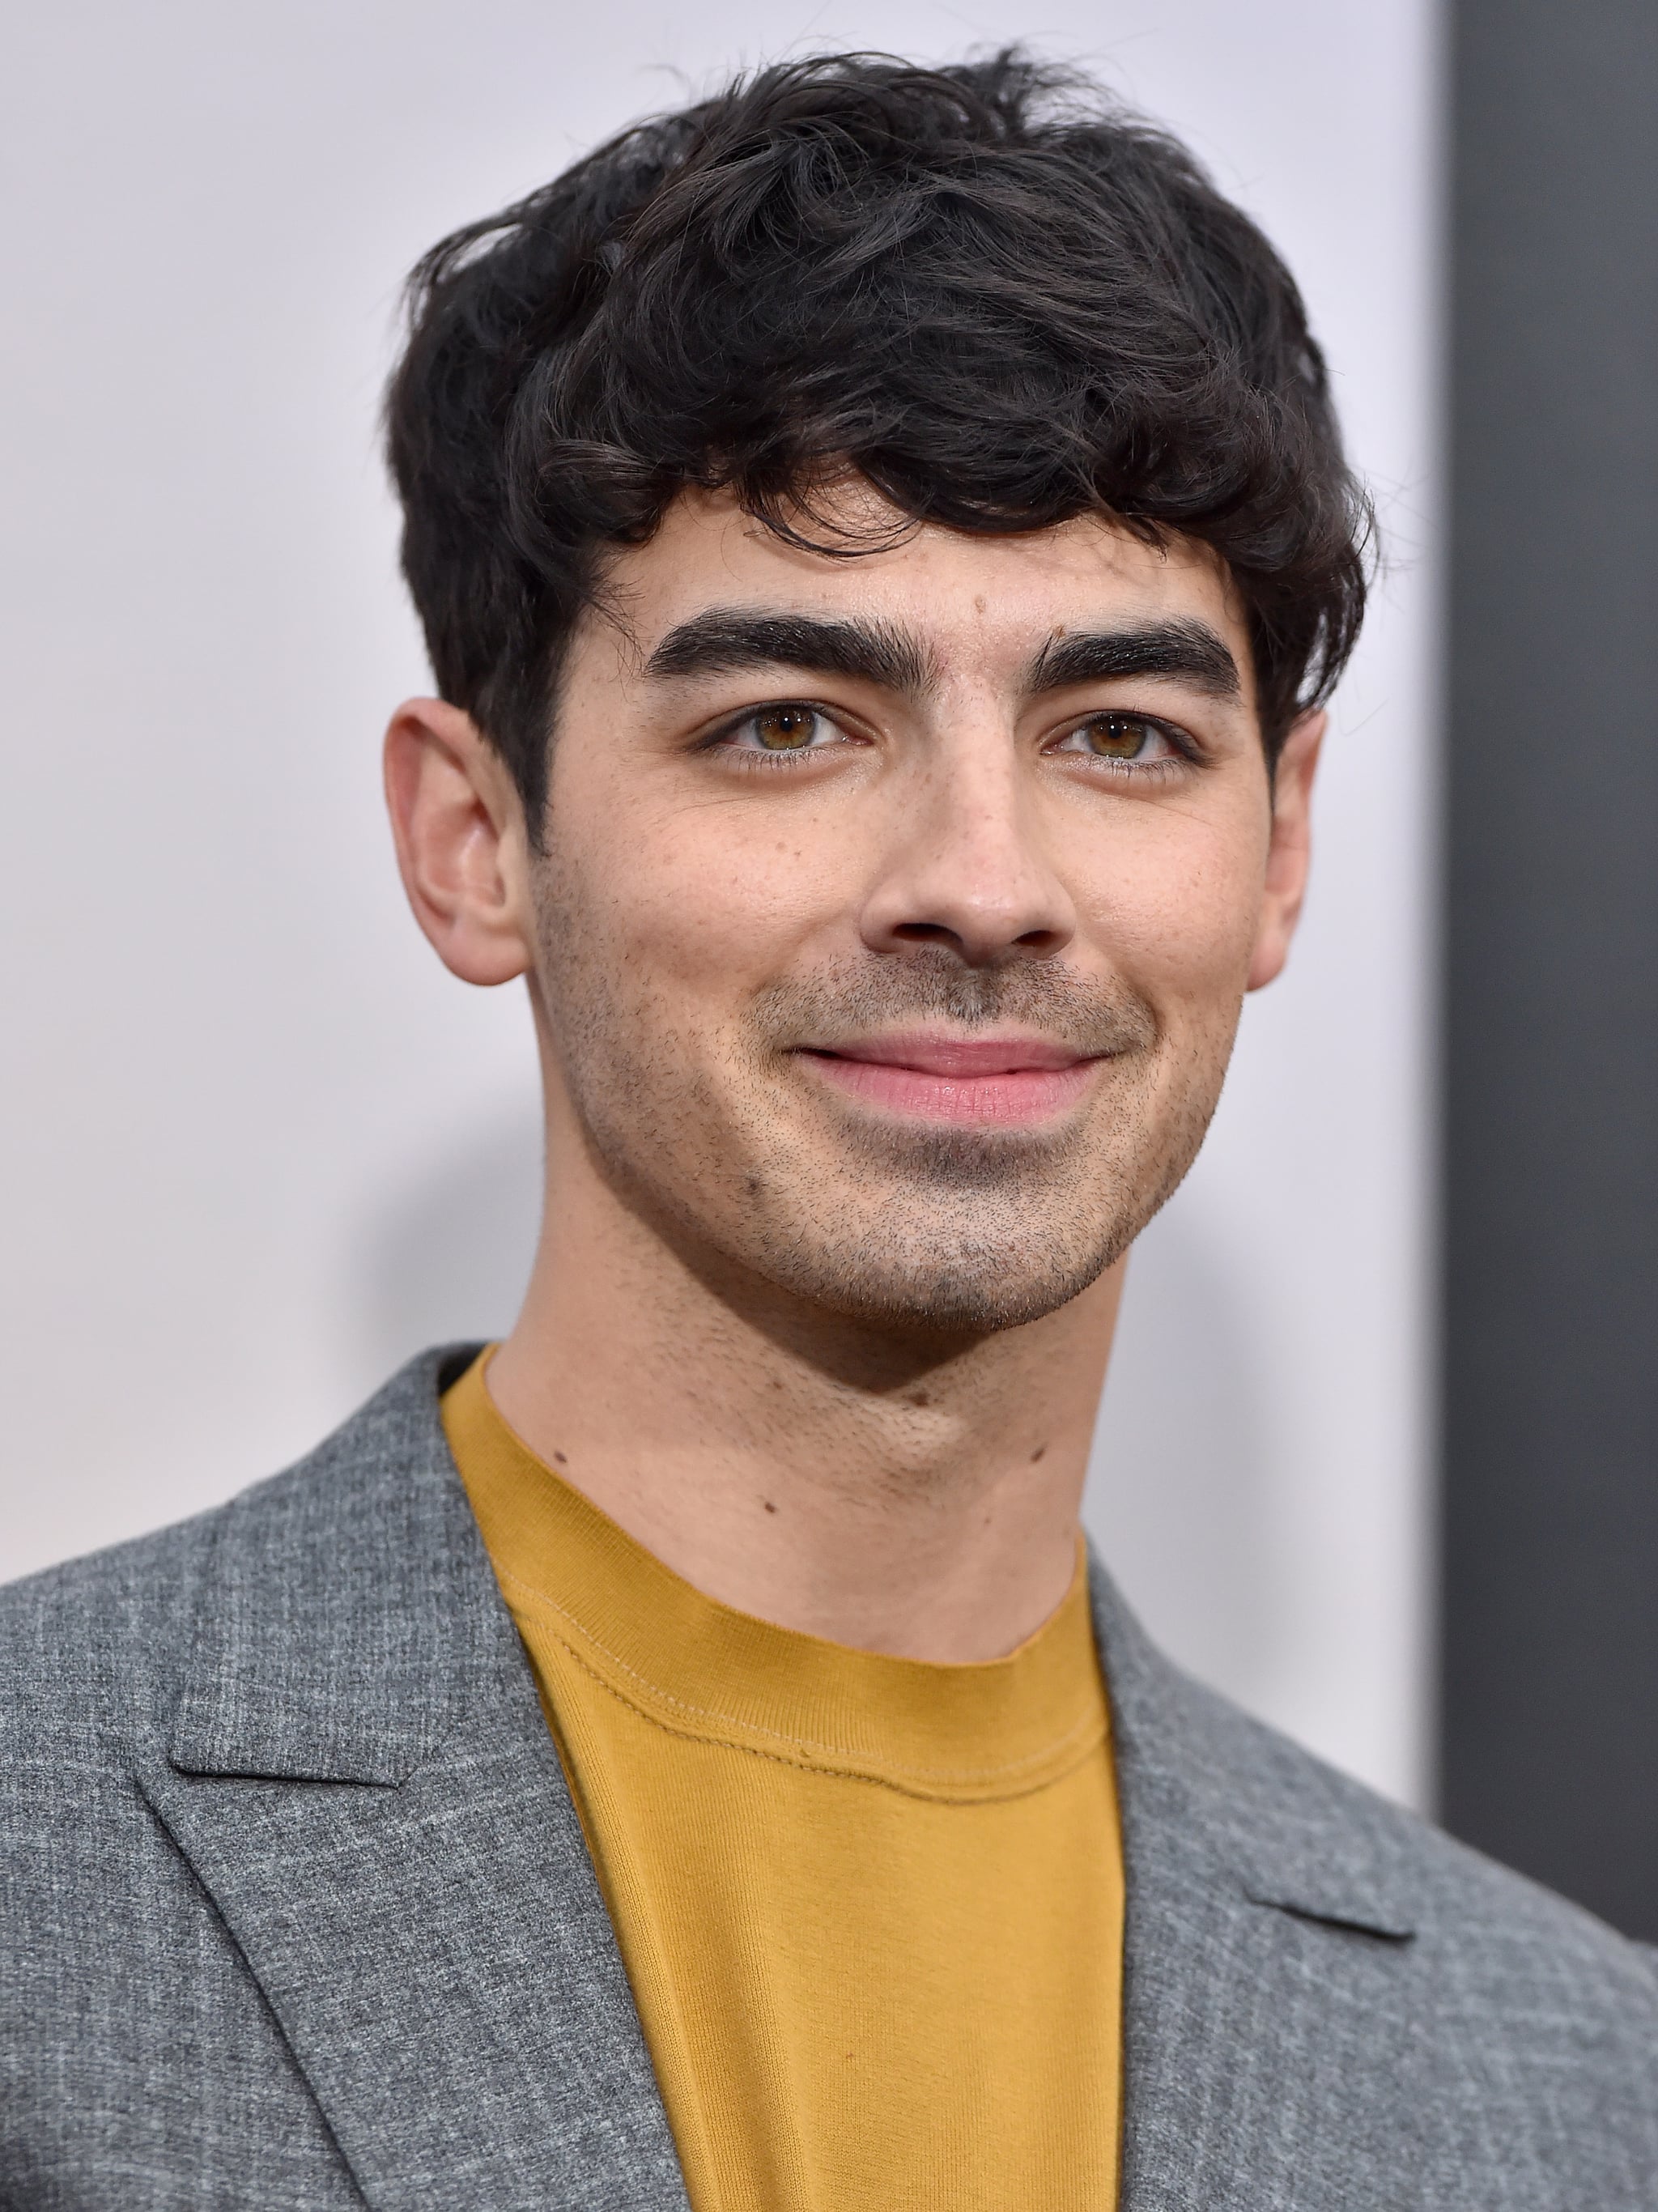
{"points": [[745, 1163]]}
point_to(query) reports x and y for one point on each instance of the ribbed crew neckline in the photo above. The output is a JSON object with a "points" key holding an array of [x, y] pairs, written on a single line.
{"points": [[984, 1730]]}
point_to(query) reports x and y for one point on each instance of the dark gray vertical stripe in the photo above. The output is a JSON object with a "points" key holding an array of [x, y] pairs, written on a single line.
{"points": [[1550, 1530]]}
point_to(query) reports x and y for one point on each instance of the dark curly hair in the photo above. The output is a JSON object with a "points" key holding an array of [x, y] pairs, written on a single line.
{"points": [[989, 289]]}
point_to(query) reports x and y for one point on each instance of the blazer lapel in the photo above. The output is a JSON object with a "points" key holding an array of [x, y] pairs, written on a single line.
{"points": [[363, 1779], [1269, 1974]]}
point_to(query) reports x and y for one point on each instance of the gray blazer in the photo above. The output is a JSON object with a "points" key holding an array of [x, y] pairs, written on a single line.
{"points": [[295, 1911]]}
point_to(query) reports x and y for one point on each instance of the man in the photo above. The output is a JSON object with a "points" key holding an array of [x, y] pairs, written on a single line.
{"points": [[883, 542]]}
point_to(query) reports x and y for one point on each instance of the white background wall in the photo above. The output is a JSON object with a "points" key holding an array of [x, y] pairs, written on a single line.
{"points": [[255, 1144]]}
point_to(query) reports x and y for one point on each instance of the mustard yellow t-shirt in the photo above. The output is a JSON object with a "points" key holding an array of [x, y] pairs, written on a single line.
{"points": [[870, 1908]]}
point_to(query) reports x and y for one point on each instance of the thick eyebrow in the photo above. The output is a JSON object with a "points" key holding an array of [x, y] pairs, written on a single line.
{"points": [[721, 639], [1188, 650]]}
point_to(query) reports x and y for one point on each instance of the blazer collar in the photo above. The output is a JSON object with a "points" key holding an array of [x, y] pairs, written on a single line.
{"points": [[347, 1623], [362, 1776], [1287, 1830]]}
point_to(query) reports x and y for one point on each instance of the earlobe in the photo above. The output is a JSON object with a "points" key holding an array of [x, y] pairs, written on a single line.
{"points": [[1289, 850], [462, 851]]}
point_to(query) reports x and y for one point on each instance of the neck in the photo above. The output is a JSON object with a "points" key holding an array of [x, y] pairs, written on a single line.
{"points": [[916, 1497]]}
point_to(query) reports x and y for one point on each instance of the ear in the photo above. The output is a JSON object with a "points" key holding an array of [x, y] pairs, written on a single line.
{"points": [[1289, 848], [462, 849]]}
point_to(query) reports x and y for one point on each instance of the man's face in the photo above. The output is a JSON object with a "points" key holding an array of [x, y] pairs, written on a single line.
{"points": [[896, 912]]}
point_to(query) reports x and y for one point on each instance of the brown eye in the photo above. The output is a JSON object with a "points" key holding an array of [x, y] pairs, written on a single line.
{"points": [[1117, 737], [785, 729], [1141, 742]]}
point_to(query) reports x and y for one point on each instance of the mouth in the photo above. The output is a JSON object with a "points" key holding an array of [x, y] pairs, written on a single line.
{"points": [[995, 1082]]}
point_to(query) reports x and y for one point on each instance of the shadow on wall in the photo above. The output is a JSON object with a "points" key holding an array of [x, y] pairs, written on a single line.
{"points": [[1180, 1498], [451, 1257], [1180, 1494]]}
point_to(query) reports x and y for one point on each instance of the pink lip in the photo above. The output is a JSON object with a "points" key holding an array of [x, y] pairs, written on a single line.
{"points": [[995, 1081]]}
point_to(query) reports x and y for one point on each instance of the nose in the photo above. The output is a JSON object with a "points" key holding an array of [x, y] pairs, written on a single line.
{"points": [[963, 864]]}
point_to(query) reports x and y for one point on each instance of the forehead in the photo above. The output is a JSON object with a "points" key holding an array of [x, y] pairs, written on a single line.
{"points": [[981, 602]]}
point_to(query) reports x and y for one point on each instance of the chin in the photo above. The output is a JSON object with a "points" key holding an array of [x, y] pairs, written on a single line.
{"points": [[974, 1292], [955, 1237]]}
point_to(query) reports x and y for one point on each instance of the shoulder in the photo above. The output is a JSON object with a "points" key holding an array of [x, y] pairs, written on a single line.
{"points": [[88, 1649], [1517, 1995], [90, 1660], [1491, 1946], [1448, 2032], [124, 2002], [93, 1653]]}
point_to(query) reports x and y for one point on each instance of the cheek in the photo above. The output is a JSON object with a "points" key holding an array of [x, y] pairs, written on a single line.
{"points": [[1175, 907], [713, 898]]}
